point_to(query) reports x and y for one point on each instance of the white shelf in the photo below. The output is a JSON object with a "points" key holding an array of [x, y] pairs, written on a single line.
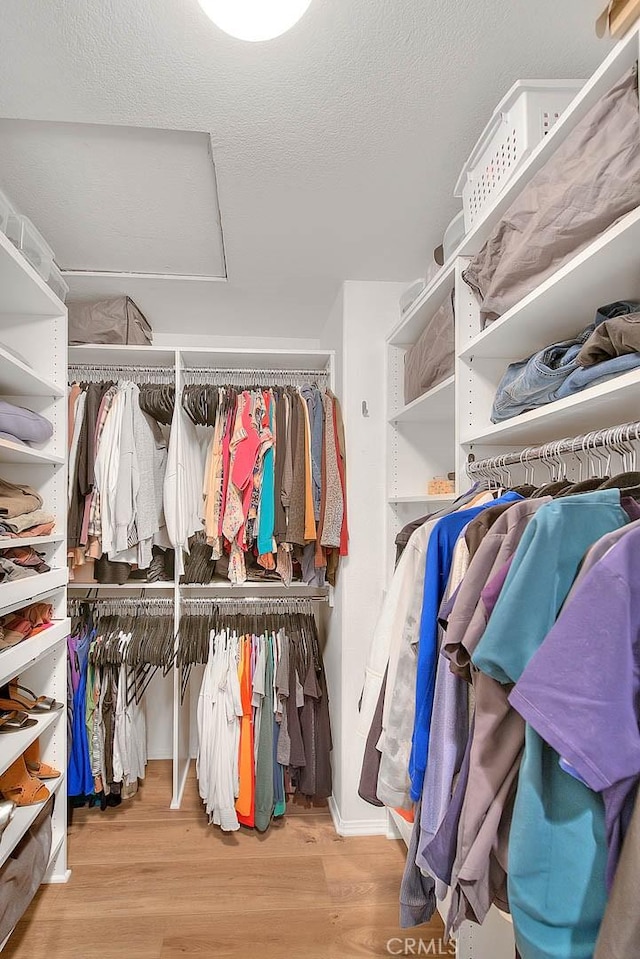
{"points": [[223, 358], [8, 542], [408, 330], [423, 498], [17, 659], [296, 589], [119, 355], [22, 289], [18, 453], [23, 591], [436, 405], [607, 404], [23, 818], [19, 379], [12, 745], [607, 270], [404, 828], [124, 587]]}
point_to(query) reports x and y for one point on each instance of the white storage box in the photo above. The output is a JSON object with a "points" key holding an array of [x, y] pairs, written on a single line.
{"points": [[519, 122], [5, 211], [58, 283], [31, 243]]}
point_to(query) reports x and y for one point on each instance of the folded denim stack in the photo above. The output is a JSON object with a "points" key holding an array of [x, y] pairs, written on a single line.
{"points": [[21, 512], [606, 348]]}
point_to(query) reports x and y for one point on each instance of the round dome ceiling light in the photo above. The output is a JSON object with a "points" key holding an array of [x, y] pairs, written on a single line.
{"points": [[255, 20]]}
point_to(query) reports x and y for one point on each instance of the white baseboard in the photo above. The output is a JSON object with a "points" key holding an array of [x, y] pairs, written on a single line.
{"points": [[355, 827]]}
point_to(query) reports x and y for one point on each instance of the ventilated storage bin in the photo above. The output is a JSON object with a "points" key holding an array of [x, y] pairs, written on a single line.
{"points": [[31, 243], [519, 122]]}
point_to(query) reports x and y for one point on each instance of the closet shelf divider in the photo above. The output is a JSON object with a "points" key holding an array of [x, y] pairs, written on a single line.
{"points": [[606, 404], [31, 589], [16, 659], [11, 452]]}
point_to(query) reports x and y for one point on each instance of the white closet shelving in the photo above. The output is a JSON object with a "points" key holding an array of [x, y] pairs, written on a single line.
{"points": [[33, 347], [167, 706], [455, 417]]}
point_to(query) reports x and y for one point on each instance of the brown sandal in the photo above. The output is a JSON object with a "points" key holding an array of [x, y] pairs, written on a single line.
{"points": [[17, 784], [30, 703], [35, 767]]}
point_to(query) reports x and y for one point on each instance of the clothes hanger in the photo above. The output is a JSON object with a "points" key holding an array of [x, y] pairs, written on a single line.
{"points": [[556, 483], [628, 480]]}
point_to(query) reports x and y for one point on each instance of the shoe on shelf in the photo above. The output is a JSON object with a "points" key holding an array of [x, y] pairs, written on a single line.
{"points": [[18, 785], [15, 696], [7, 809], [35, 766], [14, 720]]}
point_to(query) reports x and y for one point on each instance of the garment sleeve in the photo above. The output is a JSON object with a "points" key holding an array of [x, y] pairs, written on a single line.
{"points": [[530, 587], [579, 690]]}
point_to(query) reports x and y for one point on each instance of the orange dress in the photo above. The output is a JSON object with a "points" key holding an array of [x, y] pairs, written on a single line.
{"points": [[245, 803]]}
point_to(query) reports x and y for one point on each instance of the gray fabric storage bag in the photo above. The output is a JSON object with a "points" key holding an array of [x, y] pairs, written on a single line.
{"points": [[117, 320], [591, 181], [24, 870], [430, 360]]}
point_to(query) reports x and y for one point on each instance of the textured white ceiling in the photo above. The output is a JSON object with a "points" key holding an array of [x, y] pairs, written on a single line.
{"points": [[114, 198], [337, 146]]}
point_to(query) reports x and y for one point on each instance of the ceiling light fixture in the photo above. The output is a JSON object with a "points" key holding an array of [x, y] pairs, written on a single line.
{"points": [[255, 20]]}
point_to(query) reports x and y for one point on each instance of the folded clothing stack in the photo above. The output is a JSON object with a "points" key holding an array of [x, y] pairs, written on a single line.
{"points": [[606, 348], [20, 562], [23, 623], [23, 426], [21, 512]]}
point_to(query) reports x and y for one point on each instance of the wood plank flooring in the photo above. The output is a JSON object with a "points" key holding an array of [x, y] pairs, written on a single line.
{"points": [[151, 883]]}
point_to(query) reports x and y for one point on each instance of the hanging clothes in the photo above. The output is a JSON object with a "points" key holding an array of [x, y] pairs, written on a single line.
{"points": [[118, 460], [520, 801], [263, 713], [264, 491]]}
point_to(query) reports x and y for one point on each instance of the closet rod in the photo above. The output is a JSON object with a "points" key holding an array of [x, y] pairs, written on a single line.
{"points": [[119, 604], [610, 438], [88, 371], [265, 606], [245, 371]]}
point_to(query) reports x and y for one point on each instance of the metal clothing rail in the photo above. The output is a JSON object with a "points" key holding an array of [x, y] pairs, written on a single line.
{"points": [[97, 373], [244, 376], [616, 439], [112, 605], [251, 604]]}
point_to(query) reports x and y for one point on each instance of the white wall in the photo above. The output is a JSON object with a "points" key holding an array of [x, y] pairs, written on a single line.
{"points": [[356, 329], [195, 341]]}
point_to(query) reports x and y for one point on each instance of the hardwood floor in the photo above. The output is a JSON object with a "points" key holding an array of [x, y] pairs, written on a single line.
{"points": [[151, 883]]}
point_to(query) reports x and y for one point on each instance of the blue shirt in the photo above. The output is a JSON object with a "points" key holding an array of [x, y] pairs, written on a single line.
{"points": [[557, 844], [438, 566]]}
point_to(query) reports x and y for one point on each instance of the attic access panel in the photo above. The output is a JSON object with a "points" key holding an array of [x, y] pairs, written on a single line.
{"points": [[116, 199]]}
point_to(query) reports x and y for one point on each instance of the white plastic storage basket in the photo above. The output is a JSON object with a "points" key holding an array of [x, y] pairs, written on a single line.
{"points": [[519, 122]]}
